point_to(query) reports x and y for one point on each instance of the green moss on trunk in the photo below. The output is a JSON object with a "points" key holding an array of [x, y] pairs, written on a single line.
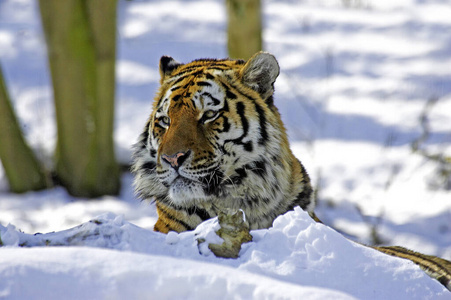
{"points": [[81, 38], [22, 169], [244, 31]]}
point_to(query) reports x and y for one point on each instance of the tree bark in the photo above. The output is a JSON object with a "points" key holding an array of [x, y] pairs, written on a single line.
{"points": [[244, 31], [81, 40], [23, 171]]}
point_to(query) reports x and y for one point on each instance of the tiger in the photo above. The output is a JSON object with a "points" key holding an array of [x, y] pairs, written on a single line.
{"points": [[216, 141]]}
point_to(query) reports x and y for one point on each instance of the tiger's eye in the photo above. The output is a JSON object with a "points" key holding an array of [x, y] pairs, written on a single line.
{"points": [[209, 114], [165, 121]]}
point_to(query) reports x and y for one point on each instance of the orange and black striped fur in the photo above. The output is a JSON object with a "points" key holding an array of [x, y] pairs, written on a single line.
{"points": [[215, 141]]}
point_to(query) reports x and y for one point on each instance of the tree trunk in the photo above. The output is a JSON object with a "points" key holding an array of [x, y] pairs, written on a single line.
{"points": [[81, 40], [22, 169], [244, 31]]}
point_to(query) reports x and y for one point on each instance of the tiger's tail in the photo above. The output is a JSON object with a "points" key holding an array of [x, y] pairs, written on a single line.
{"points": [[434, 266]]}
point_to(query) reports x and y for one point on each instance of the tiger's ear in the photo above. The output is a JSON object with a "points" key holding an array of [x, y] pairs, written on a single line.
{"points": [[260, 73], [167, 65]]}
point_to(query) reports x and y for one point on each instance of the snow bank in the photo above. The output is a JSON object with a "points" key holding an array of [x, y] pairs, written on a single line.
{"points": [[295, 258], [82, 273]]}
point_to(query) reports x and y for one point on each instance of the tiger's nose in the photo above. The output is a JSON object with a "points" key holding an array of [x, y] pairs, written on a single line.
{"points": [[176, 160]]}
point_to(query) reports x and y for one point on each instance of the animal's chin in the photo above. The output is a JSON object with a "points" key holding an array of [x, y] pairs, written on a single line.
{"points": [[184, 191]]}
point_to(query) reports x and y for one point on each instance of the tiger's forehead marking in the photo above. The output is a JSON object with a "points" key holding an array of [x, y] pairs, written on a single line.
{"points": [[197, 87], [195, 93]]}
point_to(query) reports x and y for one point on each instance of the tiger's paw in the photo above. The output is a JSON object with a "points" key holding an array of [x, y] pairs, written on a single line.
{"points": [[234, 230]]}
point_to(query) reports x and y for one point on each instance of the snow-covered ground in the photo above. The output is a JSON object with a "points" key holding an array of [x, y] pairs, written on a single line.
{"points": [[297, 258], [356, 78]]}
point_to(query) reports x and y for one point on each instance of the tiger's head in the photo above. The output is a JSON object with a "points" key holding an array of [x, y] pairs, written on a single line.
{"points": [[214, 136]]}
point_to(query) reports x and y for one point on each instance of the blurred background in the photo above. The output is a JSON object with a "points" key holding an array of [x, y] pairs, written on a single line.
{"points": [[364, 91]]}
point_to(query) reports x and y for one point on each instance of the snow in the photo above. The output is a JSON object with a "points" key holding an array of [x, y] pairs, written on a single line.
{"points": [[354, 82], [124, 275], [296, 257]]}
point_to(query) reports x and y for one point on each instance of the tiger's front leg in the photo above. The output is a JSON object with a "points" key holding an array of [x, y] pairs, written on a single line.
{"points": [[234, 231]]}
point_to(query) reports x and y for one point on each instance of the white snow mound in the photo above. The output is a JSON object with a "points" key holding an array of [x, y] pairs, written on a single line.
{"points": [[112, 258]]}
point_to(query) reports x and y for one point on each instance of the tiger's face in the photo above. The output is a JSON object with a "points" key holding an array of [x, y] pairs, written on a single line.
{"points": [[203, 130], [190, 132], [215, 140]]}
